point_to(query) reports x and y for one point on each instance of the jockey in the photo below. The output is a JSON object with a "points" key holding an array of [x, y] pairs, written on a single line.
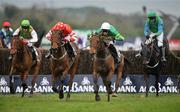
{"points": [[68, 35], [154, 28], [28, 36], [108, 30], [6, 33]]}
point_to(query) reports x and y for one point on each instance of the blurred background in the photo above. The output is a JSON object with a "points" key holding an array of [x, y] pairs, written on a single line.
{"points": [[85, 16]]}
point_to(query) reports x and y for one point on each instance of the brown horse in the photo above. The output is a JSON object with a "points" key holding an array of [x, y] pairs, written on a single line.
{"points": [[22, 63], [104, 65], [152, 62], [62, 64]]}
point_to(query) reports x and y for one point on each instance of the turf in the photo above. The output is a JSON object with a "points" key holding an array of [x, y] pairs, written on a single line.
{"points": [[85, 102]]}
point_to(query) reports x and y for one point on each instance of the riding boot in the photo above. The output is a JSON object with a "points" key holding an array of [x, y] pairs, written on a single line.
{"points": [[70, 50], [33, 52], [48, 55], [114, 53], [163, 59]]}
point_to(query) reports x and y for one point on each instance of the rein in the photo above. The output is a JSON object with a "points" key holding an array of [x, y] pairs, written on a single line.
{"points": [[60, 58]]}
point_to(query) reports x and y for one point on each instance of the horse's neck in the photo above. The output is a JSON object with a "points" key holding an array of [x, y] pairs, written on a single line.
{"points": [[23, 53], [154, 60], [102, 53], [61, 51]]}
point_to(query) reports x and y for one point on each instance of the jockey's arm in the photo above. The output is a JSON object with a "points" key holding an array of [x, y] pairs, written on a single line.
{"points": [[116, 34], [72, 37], [48, 35], [146, 29], [34, 37], [2, 35], [160, 28], [16, 32]]}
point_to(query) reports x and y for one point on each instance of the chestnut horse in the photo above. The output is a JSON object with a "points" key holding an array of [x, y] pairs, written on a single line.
{"points": [[22, 63], [61, 64], [104, 65]]}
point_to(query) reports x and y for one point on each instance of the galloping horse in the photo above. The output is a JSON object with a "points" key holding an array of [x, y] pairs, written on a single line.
{"points": [[104, 65], [62, 64], [152, 62], [22, 63]]}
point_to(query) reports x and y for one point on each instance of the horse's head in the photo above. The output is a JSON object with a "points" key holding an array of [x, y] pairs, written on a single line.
{"points": [[150, 51], [94, 39], [17, 44], [98, 42], [57, 42]]}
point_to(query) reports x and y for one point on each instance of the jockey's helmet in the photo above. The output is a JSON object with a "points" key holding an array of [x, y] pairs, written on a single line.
{"points": [[6, 24], [152, 15], [25, 24], [105, 26], [58, 26]]}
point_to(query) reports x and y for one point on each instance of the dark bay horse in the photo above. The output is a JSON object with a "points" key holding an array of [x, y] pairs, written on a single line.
{"points": [[62, 64], [23, 63], [152, 62], [104, 65]]}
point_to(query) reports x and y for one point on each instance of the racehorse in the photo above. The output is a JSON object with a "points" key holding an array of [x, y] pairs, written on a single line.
{"points": [[23, 63], [104, 65], [152, 61], [61, 64]]}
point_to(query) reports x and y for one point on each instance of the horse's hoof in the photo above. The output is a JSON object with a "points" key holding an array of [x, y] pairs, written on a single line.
{"points": [[110, 92], [114, 95], [55, 89], [24, 85], [68, 96], [22, 95], [61, 95], [12, 91], [97, 98]]}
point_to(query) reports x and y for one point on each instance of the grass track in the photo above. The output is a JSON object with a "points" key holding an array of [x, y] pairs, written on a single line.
{"points": [[85, 102]]}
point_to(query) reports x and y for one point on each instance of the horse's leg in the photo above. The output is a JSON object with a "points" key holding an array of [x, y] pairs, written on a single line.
{"points": [[54, 80], [35, 74], [11, 80], [23, 79], [146, 83], [72, 74], [62, 78], [108, 83], [54, 75], [156, 84], [96, 86], [119, 76], [70, 85]]}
